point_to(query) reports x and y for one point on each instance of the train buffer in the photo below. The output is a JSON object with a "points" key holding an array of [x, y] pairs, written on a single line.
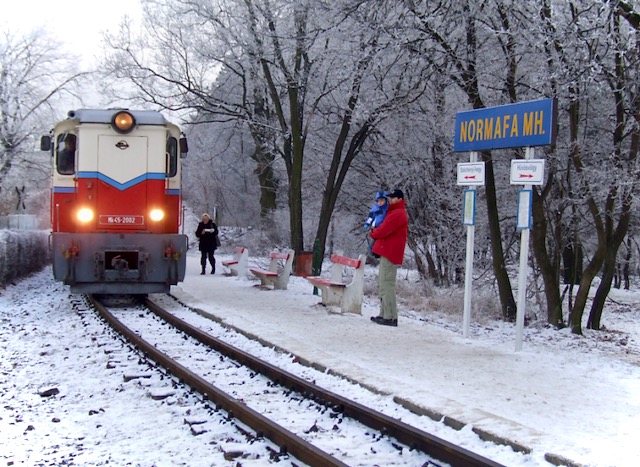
{"points": [[338, 290], [279, 270], [238, 265]]}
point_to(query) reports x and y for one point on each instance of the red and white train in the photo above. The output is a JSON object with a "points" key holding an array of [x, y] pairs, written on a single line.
{"points": [[116, 202]]}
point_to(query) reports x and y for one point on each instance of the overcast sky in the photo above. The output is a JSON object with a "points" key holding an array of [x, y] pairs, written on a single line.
{"points": [[78, 23]]}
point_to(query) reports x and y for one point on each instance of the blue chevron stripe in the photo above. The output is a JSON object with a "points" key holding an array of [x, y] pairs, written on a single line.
{"points": [[122, 186], [64, 189]]}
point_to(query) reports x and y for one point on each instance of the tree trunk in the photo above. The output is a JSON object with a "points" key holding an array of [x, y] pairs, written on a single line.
{"points": [[576, 313], [337, 174], [547, 269], [266, 177], [626, 269], [339, 168], [295, 180], [615, 239], [502, 278], [593, 322]]}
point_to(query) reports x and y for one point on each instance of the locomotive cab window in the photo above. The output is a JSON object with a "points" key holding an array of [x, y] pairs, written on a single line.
{"points": [[172, 157], [66, 154]]}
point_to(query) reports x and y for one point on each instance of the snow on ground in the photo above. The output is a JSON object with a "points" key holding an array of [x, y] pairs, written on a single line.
{"points": [[96, 417], [577, 397], [574, 396]]}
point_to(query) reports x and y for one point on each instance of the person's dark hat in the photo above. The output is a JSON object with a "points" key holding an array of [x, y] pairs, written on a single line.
{"points": [[396, 193]]}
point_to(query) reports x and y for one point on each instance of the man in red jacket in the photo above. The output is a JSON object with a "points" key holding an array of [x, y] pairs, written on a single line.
{"points": [[390, 238]]}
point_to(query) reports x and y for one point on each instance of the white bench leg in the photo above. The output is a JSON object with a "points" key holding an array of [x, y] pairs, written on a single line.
{"points": [[352, 301]]}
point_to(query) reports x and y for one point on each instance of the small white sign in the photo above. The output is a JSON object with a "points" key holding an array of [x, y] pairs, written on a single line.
{"points": [[523, 214], [527, 171], [123, 220], [471, 173], [469, 207]]}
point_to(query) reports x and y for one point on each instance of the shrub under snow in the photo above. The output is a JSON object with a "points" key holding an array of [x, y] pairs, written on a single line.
{"points": [[21, 253]]}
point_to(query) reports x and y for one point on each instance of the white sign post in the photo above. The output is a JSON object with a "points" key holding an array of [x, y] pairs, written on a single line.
{"points": [[528, 172], [520, 125], [472, 175]]}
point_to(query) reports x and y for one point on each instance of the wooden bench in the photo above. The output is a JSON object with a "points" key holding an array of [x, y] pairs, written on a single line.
{"points": [[337, 292], [238, 265], [278, 274]]}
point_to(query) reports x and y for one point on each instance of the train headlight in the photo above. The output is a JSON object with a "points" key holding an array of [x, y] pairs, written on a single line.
{"points": [[85, 215], [156, 215], [123, 122]]}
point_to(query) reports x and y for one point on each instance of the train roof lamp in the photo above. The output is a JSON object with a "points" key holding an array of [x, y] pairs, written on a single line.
{"points": [[123, 122]]}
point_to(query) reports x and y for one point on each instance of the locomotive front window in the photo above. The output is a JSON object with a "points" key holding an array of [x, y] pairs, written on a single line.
{"points": [[172, 156], [66, 154]]}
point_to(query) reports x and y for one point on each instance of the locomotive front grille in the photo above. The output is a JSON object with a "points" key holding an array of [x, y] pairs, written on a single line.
{"points": [[122, 265]]}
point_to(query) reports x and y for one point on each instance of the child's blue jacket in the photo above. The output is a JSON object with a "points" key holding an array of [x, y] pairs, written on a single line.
{"points": [[377, 213]]}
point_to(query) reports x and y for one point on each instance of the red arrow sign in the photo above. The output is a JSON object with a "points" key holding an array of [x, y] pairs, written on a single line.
{"points": [[470, 173], [527, 171]]}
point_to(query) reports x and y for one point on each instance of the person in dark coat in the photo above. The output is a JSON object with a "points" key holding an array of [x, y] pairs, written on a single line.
{"points": [[207, 232], [390, 238]]}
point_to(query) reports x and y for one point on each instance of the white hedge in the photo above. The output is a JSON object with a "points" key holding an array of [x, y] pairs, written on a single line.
{"points": [[22, 252]]}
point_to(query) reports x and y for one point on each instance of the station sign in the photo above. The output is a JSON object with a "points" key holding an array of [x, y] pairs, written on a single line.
{"points": [[525, 124], [471, 173], [527, 171]]}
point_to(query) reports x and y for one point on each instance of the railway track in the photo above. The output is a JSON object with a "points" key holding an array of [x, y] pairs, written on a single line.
{"points": [[329, 416]]}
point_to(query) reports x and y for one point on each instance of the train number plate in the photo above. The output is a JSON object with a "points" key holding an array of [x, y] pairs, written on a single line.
{"points": [[121, 220]]}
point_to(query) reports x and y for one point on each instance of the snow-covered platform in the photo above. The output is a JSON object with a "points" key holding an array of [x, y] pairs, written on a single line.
{"points": [[569, 399]]}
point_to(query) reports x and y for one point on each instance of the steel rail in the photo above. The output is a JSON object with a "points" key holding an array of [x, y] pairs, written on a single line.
{"points": [[413, 437], [288, 441]]}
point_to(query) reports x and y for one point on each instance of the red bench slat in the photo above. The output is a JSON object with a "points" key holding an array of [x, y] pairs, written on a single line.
{"points": [[318, 280], [324, 281], [354, 263], [278, 255], [264, 272]]}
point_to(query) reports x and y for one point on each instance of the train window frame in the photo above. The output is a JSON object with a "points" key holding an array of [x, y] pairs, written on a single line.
{"points": [[68, 167], [172, 157]]}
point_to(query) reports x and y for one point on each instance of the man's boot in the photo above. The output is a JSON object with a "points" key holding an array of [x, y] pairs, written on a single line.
{"points": [[203, 272]]}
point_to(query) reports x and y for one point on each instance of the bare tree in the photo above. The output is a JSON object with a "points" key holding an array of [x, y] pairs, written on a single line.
{"points": [[33, 74], [622, 70], [298, 76], [208, 62], [457, 37]]}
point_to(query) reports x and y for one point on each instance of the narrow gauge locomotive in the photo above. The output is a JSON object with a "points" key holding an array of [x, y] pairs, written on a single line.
{"points": [[115, 202]]}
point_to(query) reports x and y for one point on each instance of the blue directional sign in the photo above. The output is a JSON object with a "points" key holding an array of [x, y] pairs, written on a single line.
{"points": [[531, 123]]}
